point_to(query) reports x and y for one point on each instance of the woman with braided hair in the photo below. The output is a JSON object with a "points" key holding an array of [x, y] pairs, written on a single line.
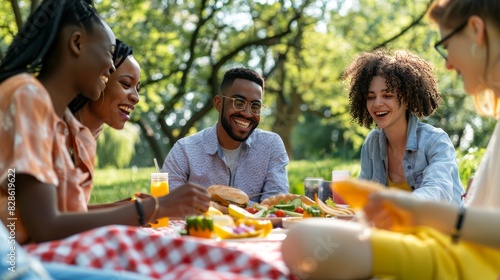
{"points": [[63, 49], [47, 156]]}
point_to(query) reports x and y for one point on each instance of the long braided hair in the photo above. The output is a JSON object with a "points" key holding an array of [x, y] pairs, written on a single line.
{"points": [[34, 43]]}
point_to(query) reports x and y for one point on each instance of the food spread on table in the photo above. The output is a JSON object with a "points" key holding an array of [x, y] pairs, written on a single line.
{"points": [[229, 217], [292, 205], [216, 225]]}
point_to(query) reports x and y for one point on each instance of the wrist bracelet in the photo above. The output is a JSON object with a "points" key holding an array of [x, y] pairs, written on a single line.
{"points": [[140, 211], [157, 205], [456, 233]]}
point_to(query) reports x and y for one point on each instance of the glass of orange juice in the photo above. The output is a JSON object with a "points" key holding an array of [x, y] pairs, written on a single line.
{"points": [[159, 187]]}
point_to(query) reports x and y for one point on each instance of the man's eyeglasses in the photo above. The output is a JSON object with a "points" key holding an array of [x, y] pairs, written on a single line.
{"points": [[439, 45], [239, 104]]}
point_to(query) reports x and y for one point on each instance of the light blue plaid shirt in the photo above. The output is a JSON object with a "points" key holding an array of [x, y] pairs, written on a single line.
{"points": [[261, 165], [429, 163]]}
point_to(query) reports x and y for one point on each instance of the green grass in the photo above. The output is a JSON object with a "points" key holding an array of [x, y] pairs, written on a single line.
{"points": [[298, 170], [115, 184]]}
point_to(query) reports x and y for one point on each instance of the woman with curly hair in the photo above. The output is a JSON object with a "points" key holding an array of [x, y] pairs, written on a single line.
{"points": [[393, 90], [415, 238]]}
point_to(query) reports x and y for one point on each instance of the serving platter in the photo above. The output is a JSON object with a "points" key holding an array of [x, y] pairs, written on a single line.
{"points": [[277, 234], [290, 222]]}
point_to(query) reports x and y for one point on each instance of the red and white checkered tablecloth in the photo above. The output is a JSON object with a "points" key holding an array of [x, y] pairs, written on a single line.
{"points": [[162, 254]]}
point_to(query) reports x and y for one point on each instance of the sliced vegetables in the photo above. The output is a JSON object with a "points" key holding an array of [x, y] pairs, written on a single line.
{"points": [[200, 226]]}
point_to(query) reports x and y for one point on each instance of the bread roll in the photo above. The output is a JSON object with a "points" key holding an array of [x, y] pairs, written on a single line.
{"points": [[229, 195], [219, 207]]}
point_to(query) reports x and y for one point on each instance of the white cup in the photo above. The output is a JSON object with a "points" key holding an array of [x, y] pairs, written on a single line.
{"points": [[338, 175]]}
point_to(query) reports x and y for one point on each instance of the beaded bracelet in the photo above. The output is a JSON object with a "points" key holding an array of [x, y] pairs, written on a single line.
{"points": [[140, 211], [456, 233]]}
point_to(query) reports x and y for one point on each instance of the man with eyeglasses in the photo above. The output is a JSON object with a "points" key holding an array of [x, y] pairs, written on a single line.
{"points": [[233, 152]]}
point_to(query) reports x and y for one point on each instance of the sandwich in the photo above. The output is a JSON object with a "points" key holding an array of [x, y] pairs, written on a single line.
{"points": [[221, 196]]}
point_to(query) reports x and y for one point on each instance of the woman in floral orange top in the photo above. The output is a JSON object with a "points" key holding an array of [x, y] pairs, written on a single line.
{"points": [[64, 49]]}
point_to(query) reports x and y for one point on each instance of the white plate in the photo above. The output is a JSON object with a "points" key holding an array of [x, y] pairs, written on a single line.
{"points": [[290, 222], [275, 235]]}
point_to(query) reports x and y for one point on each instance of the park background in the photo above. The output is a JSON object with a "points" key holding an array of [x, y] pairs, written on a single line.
{"points": [[300, 47]]}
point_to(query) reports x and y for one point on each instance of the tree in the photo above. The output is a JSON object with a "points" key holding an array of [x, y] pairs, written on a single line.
{"points": [[300, 47]]}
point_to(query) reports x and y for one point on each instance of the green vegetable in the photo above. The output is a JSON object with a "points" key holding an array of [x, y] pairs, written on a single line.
{"points": [[314, 211], [330, 202], [199, 222], [292, 214], [296, 202], [289, 207], [261, 213]]}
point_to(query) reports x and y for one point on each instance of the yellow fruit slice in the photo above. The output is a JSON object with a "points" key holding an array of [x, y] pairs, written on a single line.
{"points": [[238, 212], [225, 232], [355, 192], [265, 226], [224, 220], [212, 211]]}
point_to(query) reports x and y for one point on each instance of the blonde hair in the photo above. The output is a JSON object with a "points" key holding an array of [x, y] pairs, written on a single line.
{"points": [[487, 103]]}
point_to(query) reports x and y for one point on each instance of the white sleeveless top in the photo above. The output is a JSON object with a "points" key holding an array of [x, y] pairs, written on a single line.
{"points": [[484, 192]]}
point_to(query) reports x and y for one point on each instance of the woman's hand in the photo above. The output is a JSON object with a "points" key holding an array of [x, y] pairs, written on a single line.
{"points": [[185, 200], [392, 210]]}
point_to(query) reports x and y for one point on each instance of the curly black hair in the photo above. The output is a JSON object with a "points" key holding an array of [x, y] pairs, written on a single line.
{"points": [[405, 73]]}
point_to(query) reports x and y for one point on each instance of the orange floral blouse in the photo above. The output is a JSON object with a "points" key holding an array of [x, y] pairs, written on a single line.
{"points": [[34, 142]]}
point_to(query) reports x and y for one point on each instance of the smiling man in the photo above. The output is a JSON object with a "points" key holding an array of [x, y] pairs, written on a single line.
{"points": [[233, 152]]}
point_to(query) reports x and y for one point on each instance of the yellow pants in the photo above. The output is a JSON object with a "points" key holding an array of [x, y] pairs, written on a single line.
{"points": [[429, 254]]}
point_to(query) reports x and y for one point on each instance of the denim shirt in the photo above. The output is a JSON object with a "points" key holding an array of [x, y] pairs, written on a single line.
{"points": [[261, 165], [429, 162]]}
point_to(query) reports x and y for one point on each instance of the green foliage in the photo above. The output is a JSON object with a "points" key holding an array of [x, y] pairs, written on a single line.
{"points": [[184, 47], [115, 148], [299, 170], [468, 162]]}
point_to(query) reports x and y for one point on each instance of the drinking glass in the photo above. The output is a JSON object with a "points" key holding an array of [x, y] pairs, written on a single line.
{"points": [[159, 187], [338, 175], [311, 186]]}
